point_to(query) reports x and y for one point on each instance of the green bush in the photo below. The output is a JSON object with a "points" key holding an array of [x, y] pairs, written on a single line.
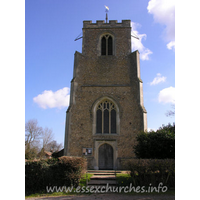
{"points": [[154, 171], [68, 171], [156, 145], [65, 171]]}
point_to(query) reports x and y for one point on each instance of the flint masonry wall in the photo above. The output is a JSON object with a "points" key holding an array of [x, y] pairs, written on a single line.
{"points": [[117, 77]]}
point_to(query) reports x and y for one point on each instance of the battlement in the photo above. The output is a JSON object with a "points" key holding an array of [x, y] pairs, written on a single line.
{"points": [[111, 24]]}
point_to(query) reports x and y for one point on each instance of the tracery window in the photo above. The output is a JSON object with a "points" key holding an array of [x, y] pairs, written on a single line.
{"points": [[107, 45], [106, 118]]}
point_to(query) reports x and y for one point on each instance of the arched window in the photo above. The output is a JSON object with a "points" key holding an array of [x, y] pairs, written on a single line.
{"points": [[110, 44], [103, 46], [106, 118], [107, 45]]}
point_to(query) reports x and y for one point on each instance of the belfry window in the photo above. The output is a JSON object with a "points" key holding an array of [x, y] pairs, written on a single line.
{"points": [[107, 45], [106, 118]]}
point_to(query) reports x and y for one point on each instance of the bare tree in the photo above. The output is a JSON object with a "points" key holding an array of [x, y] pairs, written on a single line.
{"points": [[47, 137], [54, 146], [32, 134]]}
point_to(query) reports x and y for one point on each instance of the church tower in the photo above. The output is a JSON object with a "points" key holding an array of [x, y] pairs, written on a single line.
{"points": [[106, 108]]}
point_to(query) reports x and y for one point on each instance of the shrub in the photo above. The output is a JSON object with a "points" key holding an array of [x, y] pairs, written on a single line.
{"points": [[154, 171], [156, 145], [35, 172], [68, 171], [65, 171]]}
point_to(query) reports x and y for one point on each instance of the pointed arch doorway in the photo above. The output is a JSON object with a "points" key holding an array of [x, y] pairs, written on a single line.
{"points": [[105, 157]]}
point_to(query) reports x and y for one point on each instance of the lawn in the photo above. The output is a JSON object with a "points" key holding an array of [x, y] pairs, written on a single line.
{"points": [[123, 179]]}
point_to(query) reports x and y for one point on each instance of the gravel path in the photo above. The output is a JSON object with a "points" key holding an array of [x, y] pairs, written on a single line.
{"points": [[108, 197]]}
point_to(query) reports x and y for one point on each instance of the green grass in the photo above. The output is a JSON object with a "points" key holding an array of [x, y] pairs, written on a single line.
{"points": [[123, 179], [83, 179], [48, 194]]}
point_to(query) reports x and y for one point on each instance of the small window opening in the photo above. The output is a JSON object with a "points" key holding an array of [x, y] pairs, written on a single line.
{"points": [[103, 46], [107, 45]]}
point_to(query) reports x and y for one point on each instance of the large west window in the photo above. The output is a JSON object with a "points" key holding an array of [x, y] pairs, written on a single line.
{"points": [[106, 117], [107, 45]]}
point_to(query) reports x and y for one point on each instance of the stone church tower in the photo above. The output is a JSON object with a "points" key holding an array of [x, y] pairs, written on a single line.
{"points": [[106, 108]]}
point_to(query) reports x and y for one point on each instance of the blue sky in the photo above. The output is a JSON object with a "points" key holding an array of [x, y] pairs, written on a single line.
{"points": [[50, 29]]}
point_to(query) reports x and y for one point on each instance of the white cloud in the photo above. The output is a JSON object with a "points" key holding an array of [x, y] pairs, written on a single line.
{"points": [[158, 79], [137, 44], [163, 12], [50, 99], [171, 45], [167, 95]]}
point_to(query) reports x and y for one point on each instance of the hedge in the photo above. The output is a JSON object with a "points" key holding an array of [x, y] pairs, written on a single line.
{"points": [[152, 171], [64, 171], [156, 145]]}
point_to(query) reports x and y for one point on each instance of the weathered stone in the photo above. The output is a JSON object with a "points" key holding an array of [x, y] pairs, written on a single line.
{"points": [[97, 77]]}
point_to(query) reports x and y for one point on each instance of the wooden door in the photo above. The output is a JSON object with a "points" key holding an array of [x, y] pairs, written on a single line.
{"points": [[105, 156]]}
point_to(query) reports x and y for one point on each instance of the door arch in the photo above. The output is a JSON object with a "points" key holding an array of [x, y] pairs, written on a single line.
{"points": [[105, 156]]}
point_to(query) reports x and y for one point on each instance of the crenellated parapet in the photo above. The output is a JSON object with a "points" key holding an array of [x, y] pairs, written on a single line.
{"points": [[101, 24]]}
